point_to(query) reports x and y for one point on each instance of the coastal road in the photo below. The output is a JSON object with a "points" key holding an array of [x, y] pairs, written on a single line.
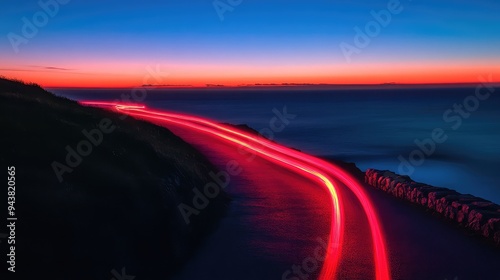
{"points": [[294, 216]]}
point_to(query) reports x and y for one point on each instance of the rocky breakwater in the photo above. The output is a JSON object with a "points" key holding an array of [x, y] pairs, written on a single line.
{"points": [[474, 213]]}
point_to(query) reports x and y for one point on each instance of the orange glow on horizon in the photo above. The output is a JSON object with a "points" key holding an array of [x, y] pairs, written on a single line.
{"points": [[124, 75]]}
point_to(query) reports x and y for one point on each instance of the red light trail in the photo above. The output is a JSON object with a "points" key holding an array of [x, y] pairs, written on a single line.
{"points": [[309, 166]]}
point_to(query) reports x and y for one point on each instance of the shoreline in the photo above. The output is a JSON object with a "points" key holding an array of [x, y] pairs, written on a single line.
{"points": [[474, 215]]}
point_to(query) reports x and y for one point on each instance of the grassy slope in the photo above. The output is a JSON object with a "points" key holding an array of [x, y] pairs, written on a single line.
{"points": [[117, 209]]}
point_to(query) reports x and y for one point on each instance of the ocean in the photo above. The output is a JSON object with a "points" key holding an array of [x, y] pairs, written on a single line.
{"points": [[447, 137]]}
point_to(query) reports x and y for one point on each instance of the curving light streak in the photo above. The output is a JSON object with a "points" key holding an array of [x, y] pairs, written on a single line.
{"points": [[332, 255], [293, 159]]}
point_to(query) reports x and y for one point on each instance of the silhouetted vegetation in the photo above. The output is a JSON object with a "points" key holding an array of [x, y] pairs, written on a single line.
{"points": [[118, 208]]}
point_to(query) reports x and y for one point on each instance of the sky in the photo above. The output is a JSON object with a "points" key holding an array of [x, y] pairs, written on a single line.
{"points": [[73, 43]]}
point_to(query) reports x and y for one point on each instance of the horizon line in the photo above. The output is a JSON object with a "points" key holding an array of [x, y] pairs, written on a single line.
{"points": [[271, 85]]}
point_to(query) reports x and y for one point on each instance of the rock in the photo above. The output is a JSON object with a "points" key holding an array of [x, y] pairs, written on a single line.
{"points": [[443, 204], [422, 194], [478, 218], [459, 212], [434, 196], [455, 207], [491, 227], [496, 238], [477, 214]]}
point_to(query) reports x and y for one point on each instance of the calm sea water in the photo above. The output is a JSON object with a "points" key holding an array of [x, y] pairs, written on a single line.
{"points": [[375, 128]]}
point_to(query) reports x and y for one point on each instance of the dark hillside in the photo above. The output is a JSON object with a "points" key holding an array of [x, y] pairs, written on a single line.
{"points": [[117, 208]]}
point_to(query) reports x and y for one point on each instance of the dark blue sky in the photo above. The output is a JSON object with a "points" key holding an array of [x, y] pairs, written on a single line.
{"points": [[256, 41]]}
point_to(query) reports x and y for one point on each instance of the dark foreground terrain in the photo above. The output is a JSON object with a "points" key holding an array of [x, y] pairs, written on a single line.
{"points": [[97, 192]]}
